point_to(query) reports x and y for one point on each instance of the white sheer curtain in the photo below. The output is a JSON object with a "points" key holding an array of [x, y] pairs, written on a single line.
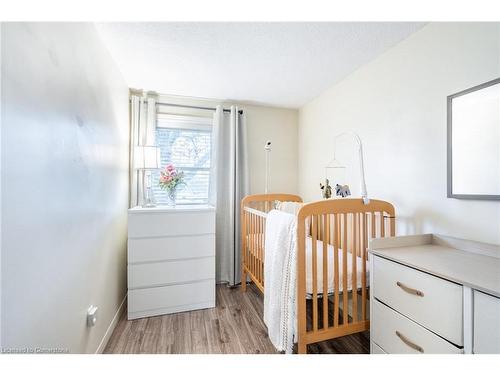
{"points": [[229, 186], [143, 133]]}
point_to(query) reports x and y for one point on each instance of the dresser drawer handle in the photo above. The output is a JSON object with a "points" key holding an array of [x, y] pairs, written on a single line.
{"points": [[410, 290], [409, 343]]}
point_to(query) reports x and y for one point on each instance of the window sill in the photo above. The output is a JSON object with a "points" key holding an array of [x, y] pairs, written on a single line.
{"points": [[179, 208]]}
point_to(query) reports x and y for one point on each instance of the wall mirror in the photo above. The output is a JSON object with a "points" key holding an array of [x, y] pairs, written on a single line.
{"points": [[474, 142]]}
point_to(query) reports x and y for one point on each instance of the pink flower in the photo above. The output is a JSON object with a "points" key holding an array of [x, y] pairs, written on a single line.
{"points": [[170, 177]]}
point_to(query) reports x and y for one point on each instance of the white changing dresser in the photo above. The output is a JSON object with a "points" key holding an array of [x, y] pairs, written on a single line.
{"points": [[171, 259], [434, 294]]}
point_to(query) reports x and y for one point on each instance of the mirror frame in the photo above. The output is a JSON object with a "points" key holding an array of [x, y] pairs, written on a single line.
{"points": [[449, 145]]}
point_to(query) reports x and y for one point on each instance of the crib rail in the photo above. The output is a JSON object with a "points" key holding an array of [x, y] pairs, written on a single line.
{"points": [[346, 225], [332, 246], [254, 209]]}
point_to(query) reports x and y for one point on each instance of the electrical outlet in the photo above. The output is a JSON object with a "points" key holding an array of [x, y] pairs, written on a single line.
{"points": [[91, 316]]}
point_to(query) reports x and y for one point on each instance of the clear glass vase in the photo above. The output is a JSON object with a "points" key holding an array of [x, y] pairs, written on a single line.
{"points": [[171, 197]]}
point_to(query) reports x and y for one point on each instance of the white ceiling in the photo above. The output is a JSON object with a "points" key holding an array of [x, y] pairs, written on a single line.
{"points": [[278, 64]]}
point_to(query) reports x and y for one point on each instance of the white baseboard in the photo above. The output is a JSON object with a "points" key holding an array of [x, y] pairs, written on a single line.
{"points": [[111, 327]]}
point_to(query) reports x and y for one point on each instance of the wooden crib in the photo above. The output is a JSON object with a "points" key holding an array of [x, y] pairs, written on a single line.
{"points": [[332, 240]]}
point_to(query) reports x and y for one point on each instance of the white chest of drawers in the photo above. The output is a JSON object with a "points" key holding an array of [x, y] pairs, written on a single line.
{"points": [[430, 295], [171, 260]]}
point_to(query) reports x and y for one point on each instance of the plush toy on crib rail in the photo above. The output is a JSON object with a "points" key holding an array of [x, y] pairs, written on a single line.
{"points": [[342, 190], [326, 189]]}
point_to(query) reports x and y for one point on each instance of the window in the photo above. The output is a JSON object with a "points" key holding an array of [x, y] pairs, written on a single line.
{"points": [[185, 141]]}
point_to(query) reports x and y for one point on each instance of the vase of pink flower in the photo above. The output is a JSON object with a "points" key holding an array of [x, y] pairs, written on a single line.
{"points": [[170, 180]]}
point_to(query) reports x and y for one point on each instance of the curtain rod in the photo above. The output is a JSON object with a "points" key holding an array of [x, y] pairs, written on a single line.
{"points": [[240, 112]]}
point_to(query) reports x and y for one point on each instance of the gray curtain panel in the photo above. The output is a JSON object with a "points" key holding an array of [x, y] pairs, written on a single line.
{"points": [[229, 185], [142, 133]]}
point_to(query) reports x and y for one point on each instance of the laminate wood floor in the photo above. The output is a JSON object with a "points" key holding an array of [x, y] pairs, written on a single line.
{"points": [[235, 326]]}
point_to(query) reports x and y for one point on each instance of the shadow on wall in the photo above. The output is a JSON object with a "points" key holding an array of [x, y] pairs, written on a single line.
{"points": [[423, 221], [420, 223], [406, 225]]}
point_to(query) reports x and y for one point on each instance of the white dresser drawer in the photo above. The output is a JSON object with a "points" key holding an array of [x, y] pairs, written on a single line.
{"points": [[170, 248], [171, 299], [438, 307], [486, 324], [170, 272], [154, 224], [396, 334]]}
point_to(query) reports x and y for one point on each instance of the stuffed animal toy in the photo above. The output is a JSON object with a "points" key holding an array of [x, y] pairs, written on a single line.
{"points": [[342, 190], [326, 189]]}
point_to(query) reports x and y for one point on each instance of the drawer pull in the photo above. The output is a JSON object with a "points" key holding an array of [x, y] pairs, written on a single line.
{"points": [[410, 290], [409, 343]]}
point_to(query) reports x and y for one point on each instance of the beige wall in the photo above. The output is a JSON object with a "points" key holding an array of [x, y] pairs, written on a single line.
{"points": [[280, 126], [65, 136], [397, 104]]}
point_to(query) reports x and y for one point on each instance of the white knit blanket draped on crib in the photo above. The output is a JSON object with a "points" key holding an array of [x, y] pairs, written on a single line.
{"points": [[280, 279]]}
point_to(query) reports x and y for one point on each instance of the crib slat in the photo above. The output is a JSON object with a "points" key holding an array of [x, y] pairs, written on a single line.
{"points": [[261, 250], [365, 232], [262, 254], [336, 269], [344, 272], [331, 229], [373, 235], [254, 260], [247, 239], [363, 266], [257, 242], [354, 286], [243, 240], [262, 237], [262, 244], [382, 225], [339, 231], [243, 236], [256, 247], [250, 240], [255, 239], [314, 238], [249, 252], [325, 270], [257, 251]]}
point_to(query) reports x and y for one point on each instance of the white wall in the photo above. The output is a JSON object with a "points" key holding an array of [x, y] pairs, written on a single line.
{"points": [[65, 135], [397, 104]]}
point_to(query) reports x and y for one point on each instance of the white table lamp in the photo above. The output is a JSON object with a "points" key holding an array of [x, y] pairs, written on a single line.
{"points": [[146, 159]]}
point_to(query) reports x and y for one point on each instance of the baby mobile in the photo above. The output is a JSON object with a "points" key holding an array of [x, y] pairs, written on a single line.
{"points": [[335, 167]]}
